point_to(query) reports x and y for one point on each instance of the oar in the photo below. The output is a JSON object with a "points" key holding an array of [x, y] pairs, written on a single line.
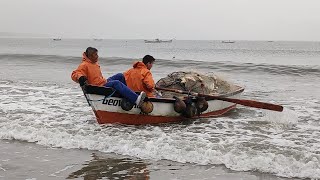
{"points": [[244, 102]]}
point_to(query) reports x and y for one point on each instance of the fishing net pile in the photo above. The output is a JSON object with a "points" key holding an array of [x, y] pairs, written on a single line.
{"points": [[194, 82]]}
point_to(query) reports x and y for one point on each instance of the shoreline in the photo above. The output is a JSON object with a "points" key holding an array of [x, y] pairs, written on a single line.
{"points": [[24, 160]]}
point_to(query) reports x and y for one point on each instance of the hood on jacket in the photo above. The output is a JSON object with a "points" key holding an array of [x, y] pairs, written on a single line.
{"points": [[139, 64], [85, 58]]}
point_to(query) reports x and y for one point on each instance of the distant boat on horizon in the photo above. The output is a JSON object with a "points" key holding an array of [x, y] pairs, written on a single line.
{"points": [[158, 41], [97, 39], [228, 41], [57, 39]]}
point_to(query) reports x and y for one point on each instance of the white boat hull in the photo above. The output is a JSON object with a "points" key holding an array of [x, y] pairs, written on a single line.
{"points": [[108, 110]]}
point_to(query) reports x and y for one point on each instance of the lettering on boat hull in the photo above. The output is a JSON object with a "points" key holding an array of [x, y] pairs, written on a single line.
{"points": [[114, 102]]}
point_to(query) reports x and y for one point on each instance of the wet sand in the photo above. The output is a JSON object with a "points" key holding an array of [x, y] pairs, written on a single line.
{"points": [[23, 160]]}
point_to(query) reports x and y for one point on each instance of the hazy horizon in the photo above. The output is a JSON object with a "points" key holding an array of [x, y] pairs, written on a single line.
{"points": [[41, 36], [285, 20]]}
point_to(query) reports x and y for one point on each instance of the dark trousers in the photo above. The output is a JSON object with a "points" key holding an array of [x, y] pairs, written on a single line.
{"points": [[119, 77], [118, 83]]}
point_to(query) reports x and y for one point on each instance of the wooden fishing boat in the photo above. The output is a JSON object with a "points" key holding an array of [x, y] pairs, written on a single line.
{"points": [[106, 105], [228, 41]]}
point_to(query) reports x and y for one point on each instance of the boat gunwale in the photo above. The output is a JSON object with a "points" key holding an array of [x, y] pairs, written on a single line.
{"points": [[107, 91]]}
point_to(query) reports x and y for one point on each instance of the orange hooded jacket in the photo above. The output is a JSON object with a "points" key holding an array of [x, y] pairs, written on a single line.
{"points": [[90, 70], [139, 78]]}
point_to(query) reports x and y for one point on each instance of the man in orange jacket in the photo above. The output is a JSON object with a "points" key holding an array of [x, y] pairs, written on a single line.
{"points": [[89, 72], [139, 78]]}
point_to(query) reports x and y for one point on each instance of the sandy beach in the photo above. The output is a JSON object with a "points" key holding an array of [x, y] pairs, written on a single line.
{"points": [[23, 160]]}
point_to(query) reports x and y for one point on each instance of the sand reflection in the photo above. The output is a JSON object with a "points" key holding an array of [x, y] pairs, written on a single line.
{"points": [[101, 167]]}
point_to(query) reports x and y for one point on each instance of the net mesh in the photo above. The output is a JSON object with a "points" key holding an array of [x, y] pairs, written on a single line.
{"points": [[194, 82]]}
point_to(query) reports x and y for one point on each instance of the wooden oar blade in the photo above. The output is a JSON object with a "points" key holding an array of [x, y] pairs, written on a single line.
{"points": [[261, 105], [250, 103]]}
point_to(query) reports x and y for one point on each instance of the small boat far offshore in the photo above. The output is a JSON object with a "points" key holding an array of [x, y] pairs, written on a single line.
{"points": [[228, 41], [158, 41], [57, 39]]}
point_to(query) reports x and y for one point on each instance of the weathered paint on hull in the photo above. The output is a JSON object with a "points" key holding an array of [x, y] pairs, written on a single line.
{"points": [[104, 117]]}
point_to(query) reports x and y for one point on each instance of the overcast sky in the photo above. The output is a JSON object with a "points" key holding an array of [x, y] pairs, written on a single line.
{"points": [[165, 19]]}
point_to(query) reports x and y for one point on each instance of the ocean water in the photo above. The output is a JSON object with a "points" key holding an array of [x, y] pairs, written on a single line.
{"points": [[40, 104]]}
